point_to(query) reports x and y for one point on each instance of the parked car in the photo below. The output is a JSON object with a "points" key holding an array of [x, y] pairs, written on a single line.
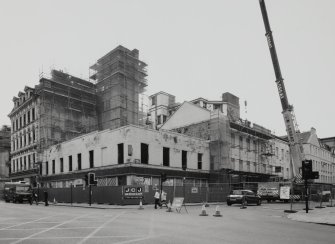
{"points": [[238, 196]]}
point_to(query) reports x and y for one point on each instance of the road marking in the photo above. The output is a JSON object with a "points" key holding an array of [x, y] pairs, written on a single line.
{"points": [[99, 228], [27, 222], [74, 237], [54, 227]]}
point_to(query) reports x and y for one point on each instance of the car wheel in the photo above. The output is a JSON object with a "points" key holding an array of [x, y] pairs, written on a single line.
{"points": [[228, 203]]}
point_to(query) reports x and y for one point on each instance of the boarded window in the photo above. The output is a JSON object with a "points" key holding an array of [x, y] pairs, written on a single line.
{"points": [[53, 166], [79, 161], [91, 158], [184, 159], [120, 157], [144, 153], [61, 165], [199, 160], [166, 156], [70, 163]]}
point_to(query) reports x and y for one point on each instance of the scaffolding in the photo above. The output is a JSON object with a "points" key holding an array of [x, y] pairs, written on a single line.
{"points": [[120, 78], [67, 108]]}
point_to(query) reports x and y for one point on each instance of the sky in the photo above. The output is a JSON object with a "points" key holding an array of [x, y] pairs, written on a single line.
{"points": [[193, 49]]}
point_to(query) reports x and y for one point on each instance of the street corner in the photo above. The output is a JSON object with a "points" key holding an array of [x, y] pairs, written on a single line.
{"points": [[318, 216]]}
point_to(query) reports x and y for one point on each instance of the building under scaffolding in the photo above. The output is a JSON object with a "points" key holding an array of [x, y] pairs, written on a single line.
{"points": [[67, 108], [120, 78], [60, 108]]}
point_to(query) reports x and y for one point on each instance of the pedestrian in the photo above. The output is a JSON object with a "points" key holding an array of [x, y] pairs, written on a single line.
{"points": [[156, 196], [46, 198], [35, 196], [163, 199]]}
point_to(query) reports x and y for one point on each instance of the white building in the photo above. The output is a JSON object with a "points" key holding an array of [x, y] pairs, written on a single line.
{"points": [[126, 156]]}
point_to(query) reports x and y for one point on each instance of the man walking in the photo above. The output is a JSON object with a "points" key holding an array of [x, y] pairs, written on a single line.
{"points": [[156, 196]]}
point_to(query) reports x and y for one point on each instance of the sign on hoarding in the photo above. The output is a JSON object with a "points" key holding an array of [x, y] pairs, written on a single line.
{"points": [[284, 192], [132, 192]]}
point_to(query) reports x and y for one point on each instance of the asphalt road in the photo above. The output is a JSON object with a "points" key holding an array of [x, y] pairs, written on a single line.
{"points": [[23, 223]]}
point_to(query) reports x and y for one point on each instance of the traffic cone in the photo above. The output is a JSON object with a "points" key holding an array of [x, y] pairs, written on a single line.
{"points": [[217, 212], [203, 211], [55, 202], [140, 207], [169, 207], [243, 205]]}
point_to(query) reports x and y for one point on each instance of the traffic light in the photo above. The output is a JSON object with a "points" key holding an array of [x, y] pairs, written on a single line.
{"points": [[163, 177], [307, 169], [91, 178], [86, 180], [315, 175]]}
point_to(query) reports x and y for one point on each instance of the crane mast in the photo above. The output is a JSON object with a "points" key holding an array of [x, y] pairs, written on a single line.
{"points": [[292, 133]]}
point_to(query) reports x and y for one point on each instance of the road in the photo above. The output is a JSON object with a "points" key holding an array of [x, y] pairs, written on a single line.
{"points": [[23, 223]]}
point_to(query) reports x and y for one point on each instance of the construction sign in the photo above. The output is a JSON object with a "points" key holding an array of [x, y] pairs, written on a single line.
{"points": [[133, 192]]}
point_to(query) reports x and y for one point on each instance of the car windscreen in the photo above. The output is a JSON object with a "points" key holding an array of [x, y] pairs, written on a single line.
{"points": [[236, 192]]}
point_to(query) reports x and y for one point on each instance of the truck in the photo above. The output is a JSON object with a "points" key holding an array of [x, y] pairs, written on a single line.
{"points": [[275, 191], [18, 191]]}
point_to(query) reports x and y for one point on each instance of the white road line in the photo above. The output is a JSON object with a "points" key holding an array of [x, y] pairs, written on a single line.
{"points": [[28, 237], [74, 237], [138, 239], [99, 228], [27, 222]]}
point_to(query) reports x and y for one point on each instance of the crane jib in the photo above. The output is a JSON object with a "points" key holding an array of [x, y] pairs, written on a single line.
{"points": [[282, 94]]}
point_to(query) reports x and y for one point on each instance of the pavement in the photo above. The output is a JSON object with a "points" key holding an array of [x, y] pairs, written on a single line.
{"points": [[324, 215]]}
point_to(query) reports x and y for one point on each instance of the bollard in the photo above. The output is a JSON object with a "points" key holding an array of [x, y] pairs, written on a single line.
{"points": [[46, 198], [141, 206]]}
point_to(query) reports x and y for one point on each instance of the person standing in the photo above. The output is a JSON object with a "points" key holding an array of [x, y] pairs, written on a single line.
{"points": [[163, 199], [156, 196]]}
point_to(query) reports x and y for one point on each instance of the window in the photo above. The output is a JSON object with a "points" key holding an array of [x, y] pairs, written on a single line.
{"points": [[232, 139], [144, 153], [184, 159], [28, 115], [120, 157], [248, 144], [248, 166], [79, 161], [70, 163], [61, 165], [24, 163], [164, 118], [199, 160], [153, 100], [24, 119], [33, 113], [91, 158], [47, 168], [41, 169], [29, 162], [166, 156], [53, 166], [241, 142]]}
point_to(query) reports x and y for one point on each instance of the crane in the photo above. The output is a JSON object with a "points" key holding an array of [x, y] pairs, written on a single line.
{"points": [[288, 113]]}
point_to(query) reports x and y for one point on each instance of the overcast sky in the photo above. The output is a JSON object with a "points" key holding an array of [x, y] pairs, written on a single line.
{"points": [[192, 48]]}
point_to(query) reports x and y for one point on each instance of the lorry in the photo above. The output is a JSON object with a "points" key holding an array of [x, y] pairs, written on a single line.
{"points": [[275, 191], [18, 191]]}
